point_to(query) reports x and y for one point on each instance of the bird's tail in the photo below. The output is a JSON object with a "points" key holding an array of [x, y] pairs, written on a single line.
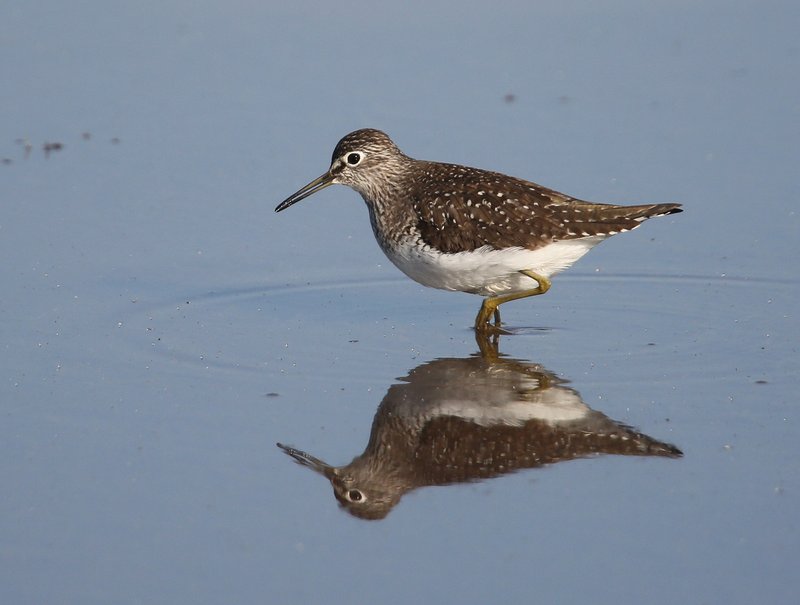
{"points": [[644, 212], [608, 219]]}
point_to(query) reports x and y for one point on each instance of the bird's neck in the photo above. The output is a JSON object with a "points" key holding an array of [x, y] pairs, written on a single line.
{"points": [[391, 209]]}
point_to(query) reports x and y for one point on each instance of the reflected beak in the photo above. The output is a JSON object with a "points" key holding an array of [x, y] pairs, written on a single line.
{"points": [[305, 459], [316, 185]]}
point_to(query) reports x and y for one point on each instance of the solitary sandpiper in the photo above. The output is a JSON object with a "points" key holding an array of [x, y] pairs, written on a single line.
{"points": [[470, 230]]}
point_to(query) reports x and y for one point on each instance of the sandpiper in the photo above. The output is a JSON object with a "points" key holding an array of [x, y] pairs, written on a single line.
{"points": [[466, 229]]}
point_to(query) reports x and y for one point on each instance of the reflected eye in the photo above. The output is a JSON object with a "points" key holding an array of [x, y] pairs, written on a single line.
{"points": [[354, 495], [353, 158]]}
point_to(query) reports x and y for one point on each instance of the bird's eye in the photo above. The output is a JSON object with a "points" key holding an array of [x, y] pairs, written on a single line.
{"points": [[353, 158], [355, 496]]}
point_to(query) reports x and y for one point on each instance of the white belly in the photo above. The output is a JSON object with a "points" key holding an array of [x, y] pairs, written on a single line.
{"points": [[553, 406], [487, 271]]}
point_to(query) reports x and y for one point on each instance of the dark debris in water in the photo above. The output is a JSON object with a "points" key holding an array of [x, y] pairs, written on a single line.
{"points": [[48, 147]]}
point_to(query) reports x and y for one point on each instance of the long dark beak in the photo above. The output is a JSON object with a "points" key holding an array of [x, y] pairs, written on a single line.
{"points": [[307, 460], [316, 185]]}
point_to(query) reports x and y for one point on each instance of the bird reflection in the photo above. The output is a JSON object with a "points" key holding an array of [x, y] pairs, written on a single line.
{"points": [[461, 420]]}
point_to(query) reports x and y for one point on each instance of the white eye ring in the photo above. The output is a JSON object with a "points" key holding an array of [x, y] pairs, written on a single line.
{"points": [[353, 158], [355, 495]]}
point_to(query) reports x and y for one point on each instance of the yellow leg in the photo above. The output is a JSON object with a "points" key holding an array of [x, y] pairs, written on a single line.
{"points": [[490, 305], [488, 344]]}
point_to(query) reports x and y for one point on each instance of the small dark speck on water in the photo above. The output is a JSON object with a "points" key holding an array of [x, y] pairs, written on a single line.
{"points": [[353, 340], [50, 147], [510, 97], [115, 141], [86, 135], [761, 382], [6, 161], [272, 395]]}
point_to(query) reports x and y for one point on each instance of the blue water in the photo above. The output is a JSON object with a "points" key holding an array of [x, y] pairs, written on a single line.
{"points": [[162, 328]]}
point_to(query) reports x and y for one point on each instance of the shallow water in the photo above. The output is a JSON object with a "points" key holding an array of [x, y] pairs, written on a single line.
{"points": [[162, 329]]}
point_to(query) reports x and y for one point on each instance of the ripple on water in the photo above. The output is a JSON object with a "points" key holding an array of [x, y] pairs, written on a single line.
{"points": [[244, 329]]}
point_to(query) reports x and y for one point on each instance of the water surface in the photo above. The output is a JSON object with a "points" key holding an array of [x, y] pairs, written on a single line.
{"points": [[162, 329]]}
